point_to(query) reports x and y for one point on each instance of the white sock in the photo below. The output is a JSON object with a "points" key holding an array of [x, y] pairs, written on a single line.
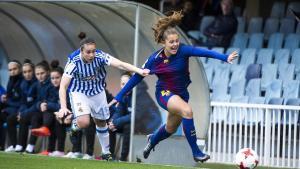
{"points": [[30, 148], [103, 136], [18, 148]]}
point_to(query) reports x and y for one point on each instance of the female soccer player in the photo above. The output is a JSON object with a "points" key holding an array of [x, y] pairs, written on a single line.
{"points": [[85, 69], [170, 64]]}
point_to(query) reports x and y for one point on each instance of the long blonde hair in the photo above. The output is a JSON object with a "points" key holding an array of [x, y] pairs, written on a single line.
{"points": [[166, 26]]}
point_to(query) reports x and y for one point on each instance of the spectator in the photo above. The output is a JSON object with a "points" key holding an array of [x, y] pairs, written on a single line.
{"points": [[171, 5], [222, 29], [2, 100], [24, 117], [10, 112], [120, 121], [190, 17]]}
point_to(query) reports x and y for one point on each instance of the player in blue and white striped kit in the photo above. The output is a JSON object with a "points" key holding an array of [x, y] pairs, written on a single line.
{"points": [[84, 76]]}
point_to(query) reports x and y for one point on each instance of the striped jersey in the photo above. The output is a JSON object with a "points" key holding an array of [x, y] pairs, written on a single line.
{"points": [[87, 78]]}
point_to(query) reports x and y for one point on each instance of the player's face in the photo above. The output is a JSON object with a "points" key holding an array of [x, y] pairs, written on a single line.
{"points": [[13, 69], [124, 80], [41, 74], [55, 78], [88, 52], [27, 72], [171, 44]]}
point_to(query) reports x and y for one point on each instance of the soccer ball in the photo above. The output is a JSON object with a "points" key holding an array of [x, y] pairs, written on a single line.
{"points": [[246, 158]]}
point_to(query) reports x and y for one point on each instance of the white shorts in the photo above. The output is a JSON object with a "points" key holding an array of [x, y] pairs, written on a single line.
{"points": [[95, 105]]}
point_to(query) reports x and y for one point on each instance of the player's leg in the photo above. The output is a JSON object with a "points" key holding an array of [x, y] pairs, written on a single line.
{"points": [[81, 108], [100, 113], [178, 106], [173, 121]]}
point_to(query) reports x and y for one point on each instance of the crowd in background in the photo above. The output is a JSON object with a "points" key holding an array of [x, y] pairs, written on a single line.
{"points": [[29, 104]]}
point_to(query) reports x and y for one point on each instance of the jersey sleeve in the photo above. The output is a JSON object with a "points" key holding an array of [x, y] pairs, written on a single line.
{"points": [[70, 68], [105, 58], [200, 52]]}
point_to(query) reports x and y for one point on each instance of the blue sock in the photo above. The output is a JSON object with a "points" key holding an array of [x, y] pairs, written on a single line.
{"points": [[190, 134], [159, 135]]}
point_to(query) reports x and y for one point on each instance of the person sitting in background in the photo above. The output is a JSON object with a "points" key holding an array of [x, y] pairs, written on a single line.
{"points": [[120, 121], [24, 116], [10, 112], [2, 100], [222, 29]]}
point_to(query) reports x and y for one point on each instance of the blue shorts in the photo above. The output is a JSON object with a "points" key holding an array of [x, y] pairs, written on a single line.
{"points": [[163, 96]]}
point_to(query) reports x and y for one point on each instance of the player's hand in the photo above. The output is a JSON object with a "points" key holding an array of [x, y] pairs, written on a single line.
{"points": [[111, 126], [19, 116], [144, 72], [63, 112], [43, 107], [114, 101], [232, 56], [3, 98]]}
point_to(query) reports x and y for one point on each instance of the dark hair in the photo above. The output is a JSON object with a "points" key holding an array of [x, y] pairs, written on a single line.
{"points": [[44, 65], [56, 68], [27, 62], [86, 41], [15, 61], [166, 26], [126, 74], [81, 35]]}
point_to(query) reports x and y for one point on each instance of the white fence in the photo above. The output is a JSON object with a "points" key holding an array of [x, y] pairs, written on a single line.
{"points": [[271, 130]]}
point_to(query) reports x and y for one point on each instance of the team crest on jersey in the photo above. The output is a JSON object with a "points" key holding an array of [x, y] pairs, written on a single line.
{"points": [[80, 109], [165, 92], [166, 61]]}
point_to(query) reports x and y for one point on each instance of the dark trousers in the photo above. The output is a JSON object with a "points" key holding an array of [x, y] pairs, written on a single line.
{"points": [[125, 131], [25, 122], [43, 119], [9, 115], [59, 135]]}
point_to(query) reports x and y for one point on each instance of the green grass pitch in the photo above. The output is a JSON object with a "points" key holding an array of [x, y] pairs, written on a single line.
{"points": [[25, 161]]}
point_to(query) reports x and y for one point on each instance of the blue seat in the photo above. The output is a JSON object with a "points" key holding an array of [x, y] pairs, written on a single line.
{"points": [[296, 61], [238, 72], [241, 24], [256, 40], [287, 26], [292, 5], [253, 88], [274, 89], [293, 115], [275, 41], [209, 70], [278, 9], [298, 28], [198, 34], [269, 73], [271, 26], [232, 49], [292, 41], [276, 114], [282, 56], [257, 100], [255, 25], [221, 74], [239, 99], [265, 56], [237, 88], [253, 72], [291, 89], [286, 72], [248, 56], [240, 40], [217, 115], [217, 97]]}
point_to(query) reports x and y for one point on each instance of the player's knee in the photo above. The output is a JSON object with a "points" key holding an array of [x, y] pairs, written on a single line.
{"points": [[171, 128], [83, 122], [187, 112]]}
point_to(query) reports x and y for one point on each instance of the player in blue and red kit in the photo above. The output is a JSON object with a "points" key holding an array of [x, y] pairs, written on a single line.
{"points": [[171, 65]]}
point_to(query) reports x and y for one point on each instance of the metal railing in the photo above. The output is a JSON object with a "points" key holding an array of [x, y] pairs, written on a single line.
{"points": [[271, 130]]}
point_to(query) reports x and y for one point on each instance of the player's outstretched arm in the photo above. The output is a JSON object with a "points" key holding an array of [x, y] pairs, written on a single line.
{"points": [[128, 67], [64, 84]]}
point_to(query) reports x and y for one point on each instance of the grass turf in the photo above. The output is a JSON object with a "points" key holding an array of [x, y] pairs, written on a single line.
{"points": [[26, 161]]}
